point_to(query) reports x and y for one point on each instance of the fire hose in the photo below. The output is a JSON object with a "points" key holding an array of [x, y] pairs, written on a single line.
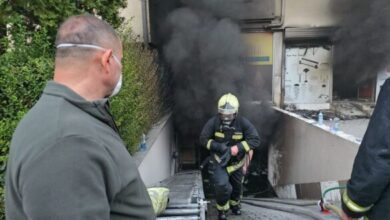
{"points": [[327, 206], [280, 206]]}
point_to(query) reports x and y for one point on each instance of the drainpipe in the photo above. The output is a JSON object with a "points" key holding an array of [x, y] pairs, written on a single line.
{"points": [[145, 20]]}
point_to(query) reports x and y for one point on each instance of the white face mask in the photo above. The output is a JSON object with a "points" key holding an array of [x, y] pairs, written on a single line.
{"points": [[118, 85]]}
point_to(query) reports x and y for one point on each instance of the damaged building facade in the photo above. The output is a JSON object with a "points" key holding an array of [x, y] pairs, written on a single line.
{"points": [[294, 58], [290, 49]]}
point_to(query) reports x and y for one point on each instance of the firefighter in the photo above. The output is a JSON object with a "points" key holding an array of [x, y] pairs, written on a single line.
{"points": [[368, 190], [230, 138]]}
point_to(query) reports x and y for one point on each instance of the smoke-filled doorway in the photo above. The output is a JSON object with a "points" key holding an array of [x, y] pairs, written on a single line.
{"points": [[206, 55]]}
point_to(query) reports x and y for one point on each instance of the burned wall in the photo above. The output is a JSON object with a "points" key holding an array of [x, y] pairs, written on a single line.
{"points": [[362, 42]]}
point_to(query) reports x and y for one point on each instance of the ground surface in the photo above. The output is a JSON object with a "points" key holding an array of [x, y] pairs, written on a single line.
{"points": [[250, 212]]}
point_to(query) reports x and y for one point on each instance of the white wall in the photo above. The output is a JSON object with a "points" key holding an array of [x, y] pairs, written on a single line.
{"points": [[277, 71], [308, 77], [135, 14], [302, 152], [156, 164], [310, 13]]}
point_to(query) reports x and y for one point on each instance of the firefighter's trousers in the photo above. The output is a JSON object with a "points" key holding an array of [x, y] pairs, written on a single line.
{"points": [[228, 187]]}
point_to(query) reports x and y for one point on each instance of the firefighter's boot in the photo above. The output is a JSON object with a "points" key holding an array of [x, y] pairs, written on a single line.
{"points": [[222, 215], [222, 211], [235, 206], [236, 210]]}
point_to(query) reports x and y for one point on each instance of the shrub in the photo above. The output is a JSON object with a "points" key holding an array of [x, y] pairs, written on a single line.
{"points": [[24, 70], [138, 105]]}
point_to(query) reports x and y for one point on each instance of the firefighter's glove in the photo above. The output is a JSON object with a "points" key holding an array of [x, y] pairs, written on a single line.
{"points": [[219, 148], [225, 157]]}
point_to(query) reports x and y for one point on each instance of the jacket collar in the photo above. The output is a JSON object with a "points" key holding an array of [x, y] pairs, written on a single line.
{"points": [[98, 109]]}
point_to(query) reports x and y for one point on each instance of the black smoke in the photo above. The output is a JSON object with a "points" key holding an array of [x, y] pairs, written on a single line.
{"points": [[205, 51], [206, 54], [362, 43]]}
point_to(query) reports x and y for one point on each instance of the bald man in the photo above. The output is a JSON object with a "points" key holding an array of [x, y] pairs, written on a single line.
{"points": [[67, 160]]}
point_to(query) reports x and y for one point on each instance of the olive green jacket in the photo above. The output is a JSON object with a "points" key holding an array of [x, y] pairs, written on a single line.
{"points": [[67, 161]]}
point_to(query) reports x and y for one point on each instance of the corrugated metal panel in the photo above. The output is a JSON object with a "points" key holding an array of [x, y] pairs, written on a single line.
{"points": [[259, 10], [186, 197], [305, 34]]}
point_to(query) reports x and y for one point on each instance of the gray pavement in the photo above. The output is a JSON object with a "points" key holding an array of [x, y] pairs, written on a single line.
{"points": [[250, 212]]}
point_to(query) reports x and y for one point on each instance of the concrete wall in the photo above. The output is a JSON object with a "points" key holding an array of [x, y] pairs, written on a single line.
{"points": [[136, 14], [309, 13], [156, 163], [277, 71], [303, 152]]}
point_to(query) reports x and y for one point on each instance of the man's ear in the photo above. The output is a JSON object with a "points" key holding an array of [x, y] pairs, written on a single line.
{"points": [[105, 60]]}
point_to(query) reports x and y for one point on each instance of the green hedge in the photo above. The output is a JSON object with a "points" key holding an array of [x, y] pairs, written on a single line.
{"points": [[139, 103], [25, 69]]}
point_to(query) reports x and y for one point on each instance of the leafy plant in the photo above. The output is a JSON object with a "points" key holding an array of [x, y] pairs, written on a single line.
{"points": [[50, 13], [138, 105], [24, 68]]}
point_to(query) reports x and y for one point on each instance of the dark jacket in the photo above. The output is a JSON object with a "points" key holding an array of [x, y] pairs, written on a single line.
{"points": [[67, 161], [368, 190], [241, 133]]}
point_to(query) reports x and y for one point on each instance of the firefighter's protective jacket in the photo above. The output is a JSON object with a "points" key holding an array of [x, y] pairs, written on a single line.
{"points": [[241, 133], [368, 190]]}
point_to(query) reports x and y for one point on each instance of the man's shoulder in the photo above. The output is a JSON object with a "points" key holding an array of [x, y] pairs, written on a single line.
{"points": [[74, 120], [54, 118]]}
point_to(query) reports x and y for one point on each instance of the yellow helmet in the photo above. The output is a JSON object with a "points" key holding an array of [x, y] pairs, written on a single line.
{"points": [[228, 104]]}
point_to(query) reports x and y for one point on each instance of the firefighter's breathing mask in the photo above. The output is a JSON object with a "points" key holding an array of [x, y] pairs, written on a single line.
{"points": [[227, 119]]}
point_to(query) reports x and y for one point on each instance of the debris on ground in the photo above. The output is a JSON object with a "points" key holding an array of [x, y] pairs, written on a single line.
{"points": [[342, 109]]}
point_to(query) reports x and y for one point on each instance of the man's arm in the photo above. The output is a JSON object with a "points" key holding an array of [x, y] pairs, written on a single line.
{"points": [[72, 180], [251, 137], [370, 174], [206, 138]]}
